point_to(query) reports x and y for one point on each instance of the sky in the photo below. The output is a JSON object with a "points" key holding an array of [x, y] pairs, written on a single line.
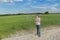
{"points": [[29, 6]]}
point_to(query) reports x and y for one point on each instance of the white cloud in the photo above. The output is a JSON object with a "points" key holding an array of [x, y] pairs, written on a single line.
{"points": [[40, 7], [53, 8], [34, 2], [9, 0], [51, 0], [29, 0], [45, 7], [0, 0], [6, 0], [55, 5], [18, 0]]}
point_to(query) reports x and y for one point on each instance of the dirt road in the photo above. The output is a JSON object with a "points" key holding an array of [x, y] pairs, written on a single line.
{"points": [[52, 34]]}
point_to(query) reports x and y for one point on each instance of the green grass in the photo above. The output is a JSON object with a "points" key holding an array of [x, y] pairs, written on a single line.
{"points": [[11, 24], [51, 19]]}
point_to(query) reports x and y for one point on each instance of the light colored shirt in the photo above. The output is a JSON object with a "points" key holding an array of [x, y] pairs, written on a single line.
{"points": [[37, 21]]}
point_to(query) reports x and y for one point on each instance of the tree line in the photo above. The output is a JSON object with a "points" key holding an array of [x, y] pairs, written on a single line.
{"points": [[23, 14]]}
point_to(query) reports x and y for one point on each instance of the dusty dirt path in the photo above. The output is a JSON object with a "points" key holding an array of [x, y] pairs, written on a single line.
{"points": [[52, 34]]}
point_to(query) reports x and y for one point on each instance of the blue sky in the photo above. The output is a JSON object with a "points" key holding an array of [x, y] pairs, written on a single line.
{"points": [[29, 6]]}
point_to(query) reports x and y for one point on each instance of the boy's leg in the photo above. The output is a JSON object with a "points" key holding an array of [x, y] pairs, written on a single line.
{"points": [[38, 30]]}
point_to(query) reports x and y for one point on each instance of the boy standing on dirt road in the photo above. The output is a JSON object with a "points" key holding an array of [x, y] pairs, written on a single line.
{"points": [[37, 20]]}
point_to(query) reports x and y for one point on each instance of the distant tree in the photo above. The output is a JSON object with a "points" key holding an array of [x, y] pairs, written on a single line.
{"points": [[37, 13], [46, 12]]}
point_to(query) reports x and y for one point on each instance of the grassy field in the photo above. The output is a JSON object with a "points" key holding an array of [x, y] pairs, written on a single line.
{"points": [[11, 24]]}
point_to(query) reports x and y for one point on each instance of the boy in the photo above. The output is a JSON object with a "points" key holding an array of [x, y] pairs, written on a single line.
{"points": [[38, 25]]}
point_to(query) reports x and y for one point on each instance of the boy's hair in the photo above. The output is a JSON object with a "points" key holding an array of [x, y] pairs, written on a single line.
{"points": [[37, 14]]}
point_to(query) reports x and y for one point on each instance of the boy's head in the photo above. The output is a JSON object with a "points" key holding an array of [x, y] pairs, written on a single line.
{"points": [[37, 15]]}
